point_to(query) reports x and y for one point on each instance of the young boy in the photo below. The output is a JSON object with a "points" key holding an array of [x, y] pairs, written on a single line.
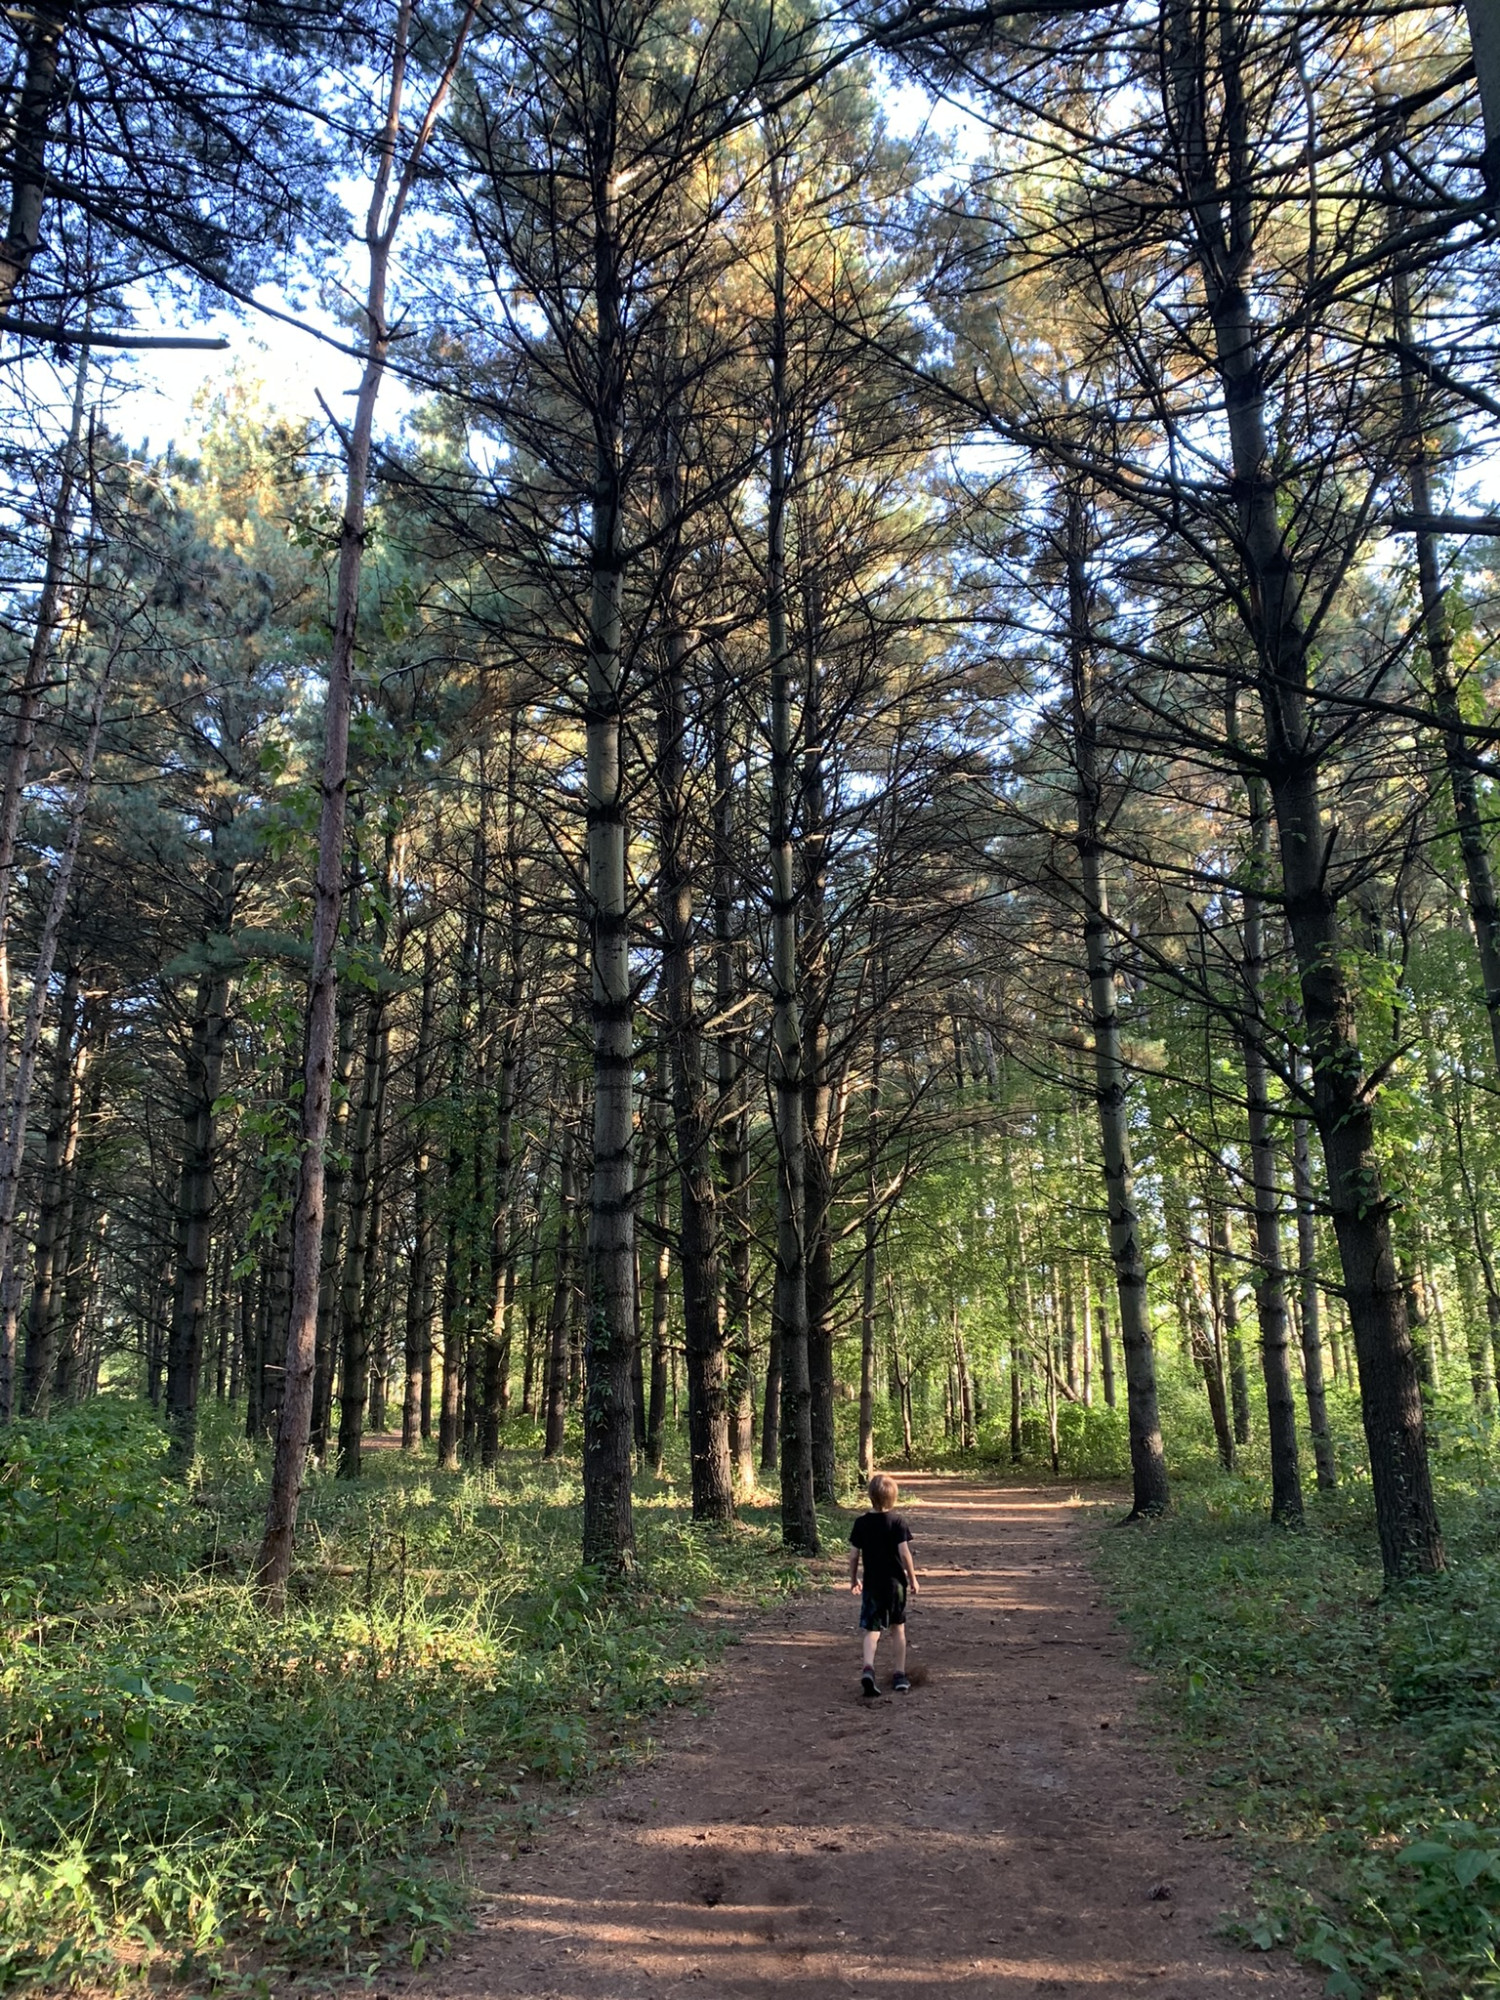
{"points": [[883, 1539]]}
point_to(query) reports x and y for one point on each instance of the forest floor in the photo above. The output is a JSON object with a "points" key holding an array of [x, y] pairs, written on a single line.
{"points": [[1005, 1829]]}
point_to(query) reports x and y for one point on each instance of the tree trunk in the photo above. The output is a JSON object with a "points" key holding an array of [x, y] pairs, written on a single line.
{"points": [[608, 1526], [360, 1244], [418, 1327], [1270, 1276], [1309, 1309], [33, 688], [1150, 1493], [817, 1089], [13, 1151], [556, 1390], [661, 1270], [733, 1110], [1390, 1393], [70, 1054], [330, 1292], [274, 1561], [799, 1519], [692, 1114], [41, 32]]}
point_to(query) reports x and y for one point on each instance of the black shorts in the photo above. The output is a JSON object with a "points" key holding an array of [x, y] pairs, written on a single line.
{"points": [[883, 1607]]}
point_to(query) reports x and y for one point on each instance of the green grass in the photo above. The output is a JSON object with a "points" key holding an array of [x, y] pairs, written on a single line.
{"points": [[1350, 1734], [184, 1781]]}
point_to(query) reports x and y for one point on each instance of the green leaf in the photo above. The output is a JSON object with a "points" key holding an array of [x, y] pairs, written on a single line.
{"points": [[1426, 1853]]}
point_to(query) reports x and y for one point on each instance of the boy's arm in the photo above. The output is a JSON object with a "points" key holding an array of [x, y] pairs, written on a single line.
{"points": [[854, 1569], [909, 1566]]}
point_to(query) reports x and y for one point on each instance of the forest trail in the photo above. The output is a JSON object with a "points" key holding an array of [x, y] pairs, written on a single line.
{"points": [[1001, 1831]]}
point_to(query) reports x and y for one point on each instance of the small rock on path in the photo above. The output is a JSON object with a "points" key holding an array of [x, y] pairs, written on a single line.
{"points": [[1001, 1831]]}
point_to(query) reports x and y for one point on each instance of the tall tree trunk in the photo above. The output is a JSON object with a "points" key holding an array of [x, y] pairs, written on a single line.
{"points": [[1270, 1277], [69, 1057], [29, 696], [869, 1270], [661, 1271], [1150, 1493], [733, 1112], [503, 1230], [608, 1425], [1459, 752], [458, 1232], [1224, 248], [692, 1114], [799, 1519], [41, 34], [418, 1326], [562, 1294], [273, 1562], [1309, 1308], [330, 1293], [195, 1197], [360, 1246], [1227, 1320], [13, 1150], [817, 1088], [87, 1219]]}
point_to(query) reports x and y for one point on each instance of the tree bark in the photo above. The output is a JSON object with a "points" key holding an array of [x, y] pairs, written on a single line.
{"points": [[817, 1088], [13, 1150], [556, 1387], [360, 1243], [69, 1056], [1309, 1308], [661, 1270], [195, 1198], [1150, 1493], [799, 1519], [418, 1326], [49, 616], [274, 1560], [692, 1114], [1390, 1393], [733, 1112], [608, 1425], [41, 33], [1270, 1276]]}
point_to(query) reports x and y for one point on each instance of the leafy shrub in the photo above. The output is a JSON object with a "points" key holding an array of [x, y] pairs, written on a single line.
{"points": [[84, 1501]]}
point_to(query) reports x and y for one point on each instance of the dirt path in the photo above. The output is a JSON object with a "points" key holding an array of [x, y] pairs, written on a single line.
{"points": [[1000, 1831]]}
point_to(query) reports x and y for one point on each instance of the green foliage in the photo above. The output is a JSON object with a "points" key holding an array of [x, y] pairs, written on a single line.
{"points": [[1354, 1733], [83, 1504], [179, 1773]]}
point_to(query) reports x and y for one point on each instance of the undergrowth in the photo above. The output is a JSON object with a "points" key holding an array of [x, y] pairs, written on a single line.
{"points": [[1351, 1733], [185, 1781]]}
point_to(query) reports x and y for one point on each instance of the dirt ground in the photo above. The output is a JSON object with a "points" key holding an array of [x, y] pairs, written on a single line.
{"points": [[1002, 1830]]}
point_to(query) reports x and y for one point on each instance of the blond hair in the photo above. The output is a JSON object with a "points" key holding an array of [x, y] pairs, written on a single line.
{"points": [[882, 1492]]}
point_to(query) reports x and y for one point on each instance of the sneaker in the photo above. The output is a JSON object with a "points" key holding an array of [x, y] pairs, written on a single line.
{"points": [[868, 1687], [900, 1685]]}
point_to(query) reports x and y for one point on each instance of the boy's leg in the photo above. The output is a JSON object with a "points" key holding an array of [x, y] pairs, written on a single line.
{"points": [[898, 1648], [872, 1640]]}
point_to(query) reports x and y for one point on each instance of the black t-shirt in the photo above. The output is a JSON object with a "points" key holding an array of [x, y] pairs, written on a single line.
{"points": [[878, 1537]]}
